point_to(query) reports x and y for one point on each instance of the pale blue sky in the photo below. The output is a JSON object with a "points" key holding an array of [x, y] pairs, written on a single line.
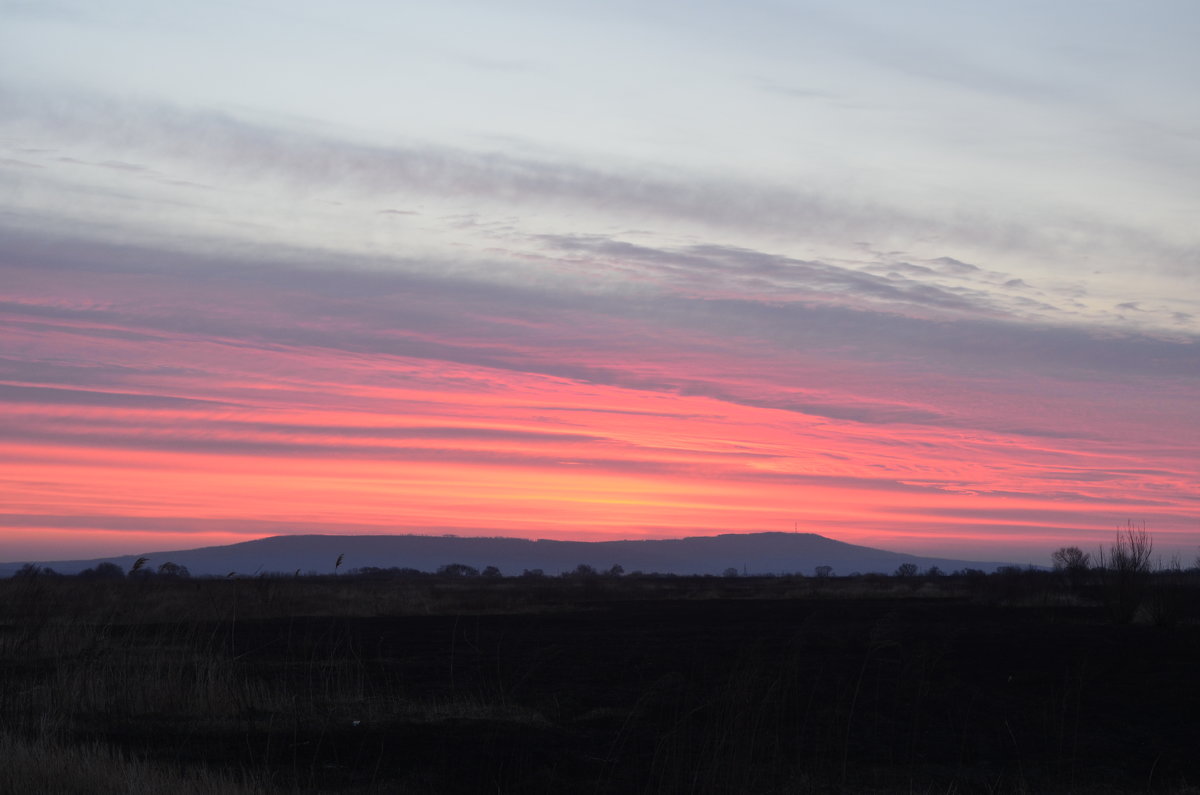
{"points": [[1058, 143]]}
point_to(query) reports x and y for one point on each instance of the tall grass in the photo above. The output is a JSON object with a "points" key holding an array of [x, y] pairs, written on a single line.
{"points": [[110, 683], [50, 766]]}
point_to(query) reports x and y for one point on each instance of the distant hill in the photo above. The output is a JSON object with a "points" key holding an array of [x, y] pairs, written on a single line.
{"points": [[750, 553]]}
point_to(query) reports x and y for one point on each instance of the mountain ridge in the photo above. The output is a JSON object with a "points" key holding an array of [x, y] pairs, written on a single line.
{"points": [[748, 553]]}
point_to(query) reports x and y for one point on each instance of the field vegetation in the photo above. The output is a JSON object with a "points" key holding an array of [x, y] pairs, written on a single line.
{"points": [[1081, 679]]}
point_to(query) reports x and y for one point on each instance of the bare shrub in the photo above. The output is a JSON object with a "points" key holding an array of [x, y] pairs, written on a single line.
{"points": [[1073, 564], [1124, 571], [1068, 558]]}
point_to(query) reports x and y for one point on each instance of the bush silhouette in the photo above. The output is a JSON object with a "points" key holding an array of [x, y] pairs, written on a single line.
{"points": [[1124, 571], [175, 570], [103, 571], [1073, 563], [458, 570]]}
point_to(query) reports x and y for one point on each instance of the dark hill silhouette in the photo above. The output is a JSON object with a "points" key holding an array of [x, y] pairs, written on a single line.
{"points": [[751, 553]]}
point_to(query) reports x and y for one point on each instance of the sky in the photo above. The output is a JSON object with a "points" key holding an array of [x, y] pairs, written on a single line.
{"points": [[921, 276]]}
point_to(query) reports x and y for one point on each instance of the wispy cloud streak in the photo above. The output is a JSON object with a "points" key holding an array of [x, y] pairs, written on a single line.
{"points": [[401, 400]]}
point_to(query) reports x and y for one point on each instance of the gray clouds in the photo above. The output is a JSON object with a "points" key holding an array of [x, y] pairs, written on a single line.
{"points": [[746, 349], [243, 158]]}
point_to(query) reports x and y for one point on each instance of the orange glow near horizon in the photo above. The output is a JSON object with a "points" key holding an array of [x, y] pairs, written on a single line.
{"points": [[184, 440]]}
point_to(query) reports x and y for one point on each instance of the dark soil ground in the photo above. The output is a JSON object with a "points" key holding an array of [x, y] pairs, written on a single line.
{"points": [[579, 692]]}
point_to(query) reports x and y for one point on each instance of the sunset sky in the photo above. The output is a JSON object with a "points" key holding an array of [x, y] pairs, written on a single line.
{"points": [[923, 276]]}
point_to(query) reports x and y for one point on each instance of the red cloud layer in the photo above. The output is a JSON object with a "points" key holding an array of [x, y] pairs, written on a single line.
{"points": [[177, 410]]}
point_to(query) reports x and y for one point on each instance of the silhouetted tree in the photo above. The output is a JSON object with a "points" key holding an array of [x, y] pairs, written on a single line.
{"points": [[103, 571], [533, 573], [492, 571], [730, 572], [170, 569], [28, 571], [1070, 558], [458, 570], [907, 570], [584, 570], [616, 571], [933, 571], [824, 571], [1124, 570], [1072, 563]]}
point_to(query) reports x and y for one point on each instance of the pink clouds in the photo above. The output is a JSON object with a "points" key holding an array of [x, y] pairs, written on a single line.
{"points": [[211, 398]]}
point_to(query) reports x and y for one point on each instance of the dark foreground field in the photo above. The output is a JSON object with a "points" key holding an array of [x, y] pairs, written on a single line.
{"points": [[590, 685]]}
